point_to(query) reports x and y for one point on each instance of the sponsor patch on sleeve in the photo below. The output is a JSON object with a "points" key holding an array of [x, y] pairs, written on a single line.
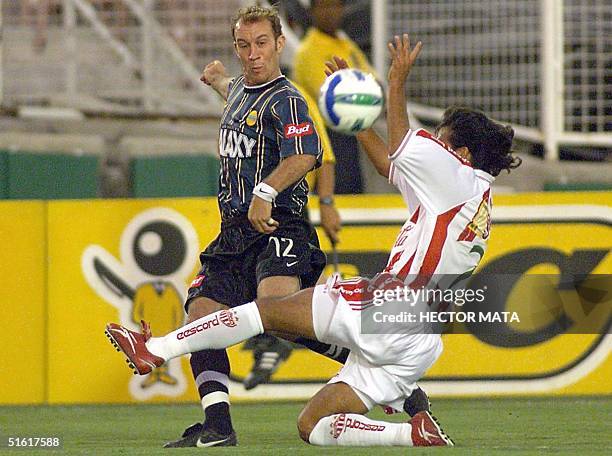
{"points": [[197, 281], [296, 130]]}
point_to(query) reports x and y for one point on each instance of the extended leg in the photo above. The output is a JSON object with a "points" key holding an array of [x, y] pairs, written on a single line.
{"points": [[292, 314], [321, 422]]}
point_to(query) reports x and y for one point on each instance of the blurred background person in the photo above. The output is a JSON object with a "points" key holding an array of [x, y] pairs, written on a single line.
{"points": [[36, 13], [323, 40]]}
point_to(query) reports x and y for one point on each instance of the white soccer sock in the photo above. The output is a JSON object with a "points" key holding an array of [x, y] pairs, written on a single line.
{"points": [[218, 330], [349, 429]]}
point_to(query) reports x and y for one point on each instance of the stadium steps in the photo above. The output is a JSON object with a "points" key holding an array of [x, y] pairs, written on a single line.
{"points": [[78, 144], [104, 84], [42, 74]]}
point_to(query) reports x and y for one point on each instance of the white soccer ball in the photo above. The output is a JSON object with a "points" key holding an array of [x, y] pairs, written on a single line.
{"points": [[350, 101]]}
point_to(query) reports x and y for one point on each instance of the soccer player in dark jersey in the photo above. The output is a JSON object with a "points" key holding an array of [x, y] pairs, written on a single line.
{"points": [[266, 248], [445, 174]]}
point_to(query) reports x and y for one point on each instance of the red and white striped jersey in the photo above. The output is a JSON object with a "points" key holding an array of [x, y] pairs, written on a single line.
{"points": [[450, 210]]}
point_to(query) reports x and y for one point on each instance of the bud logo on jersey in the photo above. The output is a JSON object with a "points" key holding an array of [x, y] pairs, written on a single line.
{"points": [[233, 144], [228, 318], [303, 129], [197, 281]]}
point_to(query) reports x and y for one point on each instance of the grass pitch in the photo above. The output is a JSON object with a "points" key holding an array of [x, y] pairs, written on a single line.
{"points": [[569, 426]]}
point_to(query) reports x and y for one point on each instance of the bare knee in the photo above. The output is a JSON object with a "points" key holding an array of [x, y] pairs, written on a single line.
{"points": [[290, 314], [305, 424], [200, 307]]}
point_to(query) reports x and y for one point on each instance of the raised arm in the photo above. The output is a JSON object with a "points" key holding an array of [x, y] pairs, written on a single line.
{"points": [[376, 150], [372, 143], [215, 75], [402, 59]]}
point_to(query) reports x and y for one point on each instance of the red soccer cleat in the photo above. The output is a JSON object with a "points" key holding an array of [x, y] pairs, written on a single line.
{"points": [[427, 432], [133, 345]]}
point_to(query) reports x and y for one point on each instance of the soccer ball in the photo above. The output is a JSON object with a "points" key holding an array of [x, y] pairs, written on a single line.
{"points": [[350, 101]]}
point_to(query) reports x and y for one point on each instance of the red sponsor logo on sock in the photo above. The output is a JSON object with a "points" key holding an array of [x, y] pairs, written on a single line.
{"points": [[228, 318], [199, 328], [338, 425], [356, 424], [296, 130]]}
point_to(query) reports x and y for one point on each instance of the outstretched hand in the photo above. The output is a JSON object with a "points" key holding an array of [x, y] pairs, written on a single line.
{"points": [[402, 57], [338, 64]]}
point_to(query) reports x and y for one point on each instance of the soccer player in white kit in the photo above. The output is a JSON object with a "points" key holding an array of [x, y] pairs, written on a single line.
{"points": [[445, 181]]}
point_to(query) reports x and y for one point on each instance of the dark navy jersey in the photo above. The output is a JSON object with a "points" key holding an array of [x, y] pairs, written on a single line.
{"points": [[260, 126]]}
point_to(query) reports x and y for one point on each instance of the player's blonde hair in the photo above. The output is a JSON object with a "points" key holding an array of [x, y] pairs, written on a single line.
{"points": [[256, 13]]}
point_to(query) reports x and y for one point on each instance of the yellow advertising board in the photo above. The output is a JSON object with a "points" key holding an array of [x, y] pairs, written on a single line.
{"points": [[120, 261], [126, 260], [24, 314]]}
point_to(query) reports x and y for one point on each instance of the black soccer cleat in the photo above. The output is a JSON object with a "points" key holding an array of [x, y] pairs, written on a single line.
{"points": [[269, 353], [417, 402], [196, 436]]}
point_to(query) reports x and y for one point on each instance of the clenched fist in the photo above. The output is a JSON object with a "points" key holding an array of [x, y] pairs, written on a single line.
{"points": [[213, 73]]}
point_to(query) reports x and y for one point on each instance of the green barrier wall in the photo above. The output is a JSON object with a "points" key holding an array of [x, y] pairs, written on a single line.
{"points": [[3, 174], [51, 176], [169, 176], [577, 187]]}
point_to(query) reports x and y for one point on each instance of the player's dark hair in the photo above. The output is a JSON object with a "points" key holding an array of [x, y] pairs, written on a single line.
{"points": [[256, 13], [489, 142]]}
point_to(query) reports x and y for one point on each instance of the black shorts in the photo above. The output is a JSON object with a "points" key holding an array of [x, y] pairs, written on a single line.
{"points": [[240, 257]]}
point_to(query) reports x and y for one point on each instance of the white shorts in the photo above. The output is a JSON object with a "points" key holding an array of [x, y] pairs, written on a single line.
{"points": [[381, 368]]}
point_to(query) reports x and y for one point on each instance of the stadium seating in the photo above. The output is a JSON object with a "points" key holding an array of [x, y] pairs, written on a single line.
{"points": [[76, 143]]}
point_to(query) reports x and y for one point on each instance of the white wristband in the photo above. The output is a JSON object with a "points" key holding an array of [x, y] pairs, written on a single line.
{"points": [[265, 192]]}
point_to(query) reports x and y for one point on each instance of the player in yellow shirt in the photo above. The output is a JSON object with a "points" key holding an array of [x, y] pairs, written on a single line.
{"points": [[322, 179], [320, 45], [321, 42]]}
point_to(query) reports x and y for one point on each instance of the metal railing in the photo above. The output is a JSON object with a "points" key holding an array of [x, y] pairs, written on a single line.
{"points": [[541, 65], [118, 56]]}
